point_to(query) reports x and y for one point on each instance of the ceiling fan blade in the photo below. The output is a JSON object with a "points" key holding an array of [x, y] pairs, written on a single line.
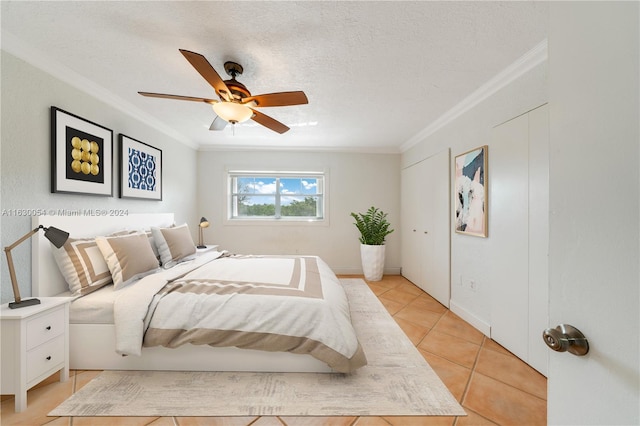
{"points": [[178, 97], [278, 99], [218, 124], [268, 122], [205, 69]]}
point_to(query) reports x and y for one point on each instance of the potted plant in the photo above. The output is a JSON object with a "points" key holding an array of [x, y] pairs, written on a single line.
{"points": [[374, 228]]}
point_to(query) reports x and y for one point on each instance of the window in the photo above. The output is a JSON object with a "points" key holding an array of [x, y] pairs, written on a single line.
{"points": [[291, 196]]}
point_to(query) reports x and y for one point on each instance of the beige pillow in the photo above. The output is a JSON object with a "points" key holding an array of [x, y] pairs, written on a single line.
{"points": [[128, 257], [82, 265], [174, 244]]}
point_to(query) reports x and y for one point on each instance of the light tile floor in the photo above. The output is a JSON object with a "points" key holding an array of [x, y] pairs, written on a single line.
{"points": [[493, 386]]}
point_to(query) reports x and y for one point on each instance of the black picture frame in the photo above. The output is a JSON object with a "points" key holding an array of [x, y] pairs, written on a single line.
{"points": [[81, 155], [140, 169]]}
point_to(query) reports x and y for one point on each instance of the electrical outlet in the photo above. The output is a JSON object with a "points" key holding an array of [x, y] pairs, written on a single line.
{"points": [[473, 285]]}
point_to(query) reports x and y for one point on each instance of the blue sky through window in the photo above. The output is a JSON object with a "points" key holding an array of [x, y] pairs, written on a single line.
{"points": [[293, 188]]}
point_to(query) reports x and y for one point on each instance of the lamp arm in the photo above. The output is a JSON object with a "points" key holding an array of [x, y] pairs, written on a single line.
{"points": [[21, 240], [12, 275], [12, 271]]}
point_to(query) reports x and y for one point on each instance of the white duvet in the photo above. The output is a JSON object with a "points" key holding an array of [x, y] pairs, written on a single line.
{"points": [[273, 303]]}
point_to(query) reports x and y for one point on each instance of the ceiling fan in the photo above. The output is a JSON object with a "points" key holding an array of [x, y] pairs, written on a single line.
{"points": [[236, 103]]}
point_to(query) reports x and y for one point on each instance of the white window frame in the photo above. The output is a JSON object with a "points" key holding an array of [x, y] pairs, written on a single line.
{"points": [[321, 175]]}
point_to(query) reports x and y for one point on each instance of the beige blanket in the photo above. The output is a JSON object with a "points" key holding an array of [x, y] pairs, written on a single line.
{"points": [[272, 303]]}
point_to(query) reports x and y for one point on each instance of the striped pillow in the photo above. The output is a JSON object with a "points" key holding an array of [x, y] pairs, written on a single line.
{"points": [[128, 257], [82, 265]]}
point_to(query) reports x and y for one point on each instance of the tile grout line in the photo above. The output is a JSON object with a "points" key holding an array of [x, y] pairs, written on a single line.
{"points": [[473, 371], [429, 331], [455, 418], [502, 381], [74, 388], [468, 386]]}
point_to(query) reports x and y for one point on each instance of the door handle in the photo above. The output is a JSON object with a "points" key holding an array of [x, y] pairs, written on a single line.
{"points": [[566, 338]]}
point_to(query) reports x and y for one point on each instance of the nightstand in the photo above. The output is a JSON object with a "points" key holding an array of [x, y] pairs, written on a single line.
{"points": [[207, 248], [35, 344]]}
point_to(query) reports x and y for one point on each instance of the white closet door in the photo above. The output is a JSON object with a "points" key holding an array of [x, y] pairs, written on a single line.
{"points": [[519, 227], [410, 216], [508, 228], [426, 226], [437, 231]]}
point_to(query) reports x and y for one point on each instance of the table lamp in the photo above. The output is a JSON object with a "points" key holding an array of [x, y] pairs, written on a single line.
{"points": [[57, 238], [204, 223]]}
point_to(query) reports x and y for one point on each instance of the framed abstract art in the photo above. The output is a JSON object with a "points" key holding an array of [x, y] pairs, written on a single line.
{"points": [[140, 169], [81, 155], [470, 192]]}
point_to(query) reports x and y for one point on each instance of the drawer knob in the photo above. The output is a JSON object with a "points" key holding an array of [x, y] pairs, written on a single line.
{"points": [[49, 358], [48, 327]]}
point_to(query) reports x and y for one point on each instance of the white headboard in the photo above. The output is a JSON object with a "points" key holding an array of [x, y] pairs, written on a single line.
{"points": [[46, 279]]}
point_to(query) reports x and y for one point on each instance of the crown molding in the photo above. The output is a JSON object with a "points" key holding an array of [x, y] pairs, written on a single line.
{"points": [[314, 149], [525, 63], [42, 61]]}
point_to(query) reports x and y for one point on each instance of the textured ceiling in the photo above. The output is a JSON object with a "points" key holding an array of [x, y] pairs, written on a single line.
{"points": [[375, 73]]}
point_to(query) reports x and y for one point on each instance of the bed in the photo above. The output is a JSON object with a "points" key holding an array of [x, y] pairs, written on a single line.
{"points": [[110, 328]]}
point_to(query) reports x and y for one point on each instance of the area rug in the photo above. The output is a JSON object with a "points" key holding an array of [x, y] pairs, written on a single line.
{"points": [[396, 382]]}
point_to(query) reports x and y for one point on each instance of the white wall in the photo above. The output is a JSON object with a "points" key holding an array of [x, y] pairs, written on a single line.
{"points": [[471, 257], [27, 95], [356, 182]]}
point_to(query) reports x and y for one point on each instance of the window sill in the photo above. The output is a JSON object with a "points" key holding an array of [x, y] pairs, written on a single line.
{"points": [[275, 222]]}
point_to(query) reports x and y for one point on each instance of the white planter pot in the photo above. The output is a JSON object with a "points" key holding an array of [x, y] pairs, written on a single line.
{"points": [[372, 261]]}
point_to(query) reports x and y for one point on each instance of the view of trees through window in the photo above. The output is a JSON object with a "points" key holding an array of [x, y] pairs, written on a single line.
{"points": [[277, 196]]}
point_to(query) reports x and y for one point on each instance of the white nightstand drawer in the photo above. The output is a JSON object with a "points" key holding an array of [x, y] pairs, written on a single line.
{"points": [[46, 357], [34, 345], [44, 328]]}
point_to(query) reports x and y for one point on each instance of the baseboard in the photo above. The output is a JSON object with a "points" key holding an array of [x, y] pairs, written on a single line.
{"points": [[358, 271], [476, 322]]}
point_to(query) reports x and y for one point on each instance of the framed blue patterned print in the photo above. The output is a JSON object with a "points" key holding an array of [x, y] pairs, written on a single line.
{"points": [[140, 169]]}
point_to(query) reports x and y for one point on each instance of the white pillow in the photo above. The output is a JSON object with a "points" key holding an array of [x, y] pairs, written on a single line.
{"points": [[129, 258], [174, 244], [152, 242]]}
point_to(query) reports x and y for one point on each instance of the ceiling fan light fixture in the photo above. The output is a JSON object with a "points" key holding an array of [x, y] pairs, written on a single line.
{"points": [[232, 112]]}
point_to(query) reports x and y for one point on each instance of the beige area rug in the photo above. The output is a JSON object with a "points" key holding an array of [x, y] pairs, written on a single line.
{"points": [[396, 382]]}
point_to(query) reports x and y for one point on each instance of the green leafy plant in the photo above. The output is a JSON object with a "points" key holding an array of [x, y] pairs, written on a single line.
{"points": [[373, 226]]}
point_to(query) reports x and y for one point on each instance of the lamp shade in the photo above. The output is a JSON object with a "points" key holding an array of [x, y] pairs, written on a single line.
{"points": [[204, 223], [232, 112], [57, 236]]}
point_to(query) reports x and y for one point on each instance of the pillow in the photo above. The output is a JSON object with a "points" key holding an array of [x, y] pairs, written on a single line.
{"points": [[128, 257], [174, 244], [154, 247], [82, 265]]}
